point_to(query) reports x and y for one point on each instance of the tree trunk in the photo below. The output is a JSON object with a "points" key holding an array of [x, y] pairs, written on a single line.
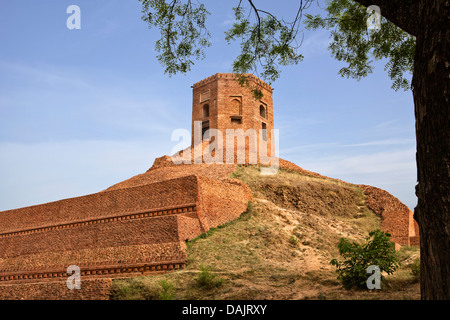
{"points": [[431, 99]]}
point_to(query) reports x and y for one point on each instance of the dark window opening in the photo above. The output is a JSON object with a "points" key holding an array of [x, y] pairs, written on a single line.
{"points": [[262, 111], [264, 131], [206, 111], [236, 119], [205, 130]]}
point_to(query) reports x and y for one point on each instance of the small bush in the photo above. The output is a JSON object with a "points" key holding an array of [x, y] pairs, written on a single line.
{"points": [[237, 173], [376, 250], [415, 269], [132, 289], [167, 290], [206, 279], [249, 213], [293, 240]]}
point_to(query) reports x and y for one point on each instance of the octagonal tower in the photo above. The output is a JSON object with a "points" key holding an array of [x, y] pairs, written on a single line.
{"points": [[220, 102]]}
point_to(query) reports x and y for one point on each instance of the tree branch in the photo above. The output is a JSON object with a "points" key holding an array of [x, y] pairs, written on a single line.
{"points": [[402, 13], [258, 17]]}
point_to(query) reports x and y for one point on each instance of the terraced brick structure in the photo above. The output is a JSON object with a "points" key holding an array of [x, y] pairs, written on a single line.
{"points": [[140, 225], [115, 233]]}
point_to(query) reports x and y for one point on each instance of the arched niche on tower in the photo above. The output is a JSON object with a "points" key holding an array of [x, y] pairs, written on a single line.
{"points": [[262, 111], [235, 106]]}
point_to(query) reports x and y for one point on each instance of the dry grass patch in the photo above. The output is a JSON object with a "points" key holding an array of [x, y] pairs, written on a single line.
{"points": [[281, 247]]}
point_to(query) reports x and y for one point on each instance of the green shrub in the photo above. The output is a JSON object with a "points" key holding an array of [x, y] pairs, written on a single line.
{"points": [[167, 290], [132, 289], [377, 250], [249, 213], [237, 173], [206, 279], [293, 240]]}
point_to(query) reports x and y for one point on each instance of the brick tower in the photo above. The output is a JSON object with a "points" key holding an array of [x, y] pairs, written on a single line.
{"points": [[220, 102]]}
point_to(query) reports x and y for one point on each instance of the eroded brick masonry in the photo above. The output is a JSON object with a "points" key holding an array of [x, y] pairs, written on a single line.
{"points": [[221, 103], [140, 225]]}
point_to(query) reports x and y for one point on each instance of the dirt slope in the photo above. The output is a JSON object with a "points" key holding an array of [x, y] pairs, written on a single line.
{"points": [[281, 247]]}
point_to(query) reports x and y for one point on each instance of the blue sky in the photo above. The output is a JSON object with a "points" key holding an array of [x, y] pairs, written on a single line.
{"points": [[81, 110]]}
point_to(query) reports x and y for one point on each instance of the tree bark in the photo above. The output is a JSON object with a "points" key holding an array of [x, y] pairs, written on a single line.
{"points": [[431, 100]]}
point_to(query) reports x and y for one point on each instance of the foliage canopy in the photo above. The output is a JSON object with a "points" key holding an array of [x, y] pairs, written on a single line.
{"points": [[268, 42], [354, 44]]}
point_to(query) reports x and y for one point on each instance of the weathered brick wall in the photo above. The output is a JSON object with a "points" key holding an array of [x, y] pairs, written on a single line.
{"points": [[162, 170], [232, 106], [396, 218], [107, 232], [94, 257], [100, 205], [221, 201], [128, 230], [147, 241], [189, 227], [91, 289]]}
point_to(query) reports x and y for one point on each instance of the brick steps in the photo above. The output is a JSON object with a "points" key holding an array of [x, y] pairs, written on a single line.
{"points": [[112, 234], [130, 269], [191, 207], [160, 254]]}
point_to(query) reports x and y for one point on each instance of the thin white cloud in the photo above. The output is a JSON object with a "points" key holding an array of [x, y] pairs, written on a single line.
{"points": [[50, 76], [308, 147], [392, 171], [228, 22], [330, 145], [385, 124], [381, 162], [315, 43], [385, 142], [43, 172], [106, 104]]}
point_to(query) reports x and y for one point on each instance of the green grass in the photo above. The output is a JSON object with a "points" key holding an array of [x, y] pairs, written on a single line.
{"points": [[207, 279]]}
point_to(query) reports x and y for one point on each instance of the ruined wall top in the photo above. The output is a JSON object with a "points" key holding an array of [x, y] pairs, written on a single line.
{"points": [[230, 76]]}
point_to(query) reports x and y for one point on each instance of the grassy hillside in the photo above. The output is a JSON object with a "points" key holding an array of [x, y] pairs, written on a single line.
{"points": [[279, 249]]}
